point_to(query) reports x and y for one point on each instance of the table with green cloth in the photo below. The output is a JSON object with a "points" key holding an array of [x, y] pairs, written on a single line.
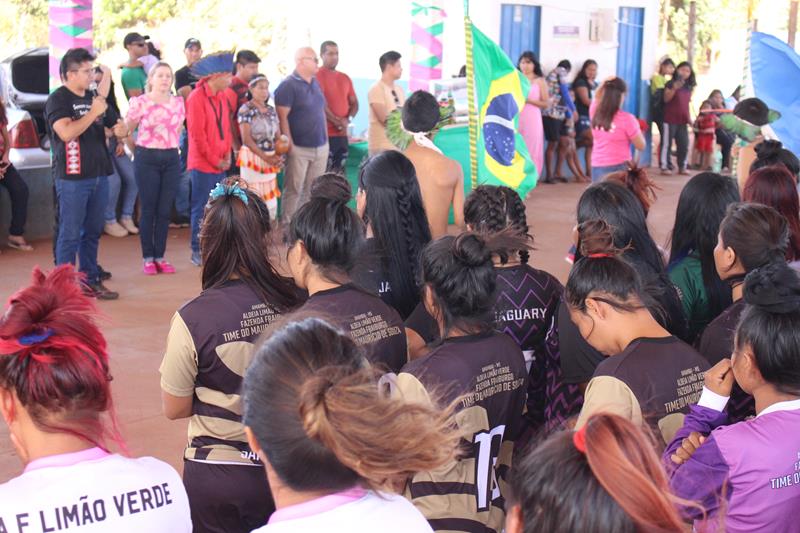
{"points": [[453, 141]]}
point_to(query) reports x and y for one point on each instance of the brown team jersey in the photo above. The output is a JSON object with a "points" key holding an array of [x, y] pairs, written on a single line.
{"points": [[488, 373], [652, 382], [367, 319], [209, 347]]}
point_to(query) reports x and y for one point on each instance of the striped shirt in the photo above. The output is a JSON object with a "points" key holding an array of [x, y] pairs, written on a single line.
{"points": [[209, 347], [487, 372]]}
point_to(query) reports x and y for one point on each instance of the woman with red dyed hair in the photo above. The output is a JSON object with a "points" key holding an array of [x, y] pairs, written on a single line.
{"points": [[55, 398], [604, 477], [775, 186]]}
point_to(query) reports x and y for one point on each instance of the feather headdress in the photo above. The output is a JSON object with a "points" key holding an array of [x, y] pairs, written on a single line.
{"points": [[216, 63]]}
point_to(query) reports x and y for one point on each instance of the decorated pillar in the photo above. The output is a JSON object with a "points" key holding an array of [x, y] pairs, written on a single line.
{"points": [[427, 25], [70, 27]]}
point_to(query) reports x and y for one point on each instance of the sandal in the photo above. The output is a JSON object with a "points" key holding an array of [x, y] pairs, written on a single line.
{"points": [[23, 246]]}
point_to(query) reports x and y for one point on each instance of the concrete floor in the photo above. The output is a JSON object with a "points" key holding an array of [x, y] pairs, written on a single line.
{"points": [[136, 325]]}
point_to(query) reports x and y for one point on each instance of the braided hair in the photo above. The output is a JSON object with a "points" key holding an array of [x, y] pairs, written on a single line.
{"points": [[491, 209], [396, 215]]}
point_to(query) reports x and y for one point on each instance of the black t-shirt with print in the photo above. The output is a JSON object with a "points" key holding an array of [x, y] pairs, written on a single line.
{"points": [[184, 77], [369, 272], [665, 374], [86, 156], [487, 372], [367, 319]]}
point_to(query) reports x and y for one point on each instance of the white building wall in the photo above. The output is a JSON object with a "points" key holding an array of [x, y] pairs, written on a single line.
{"points": [[364, 29]]}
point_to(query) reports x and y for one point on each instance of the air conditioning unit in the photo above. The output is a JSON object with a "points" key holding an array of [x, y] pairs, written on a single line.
{"points": [[601, 25]]}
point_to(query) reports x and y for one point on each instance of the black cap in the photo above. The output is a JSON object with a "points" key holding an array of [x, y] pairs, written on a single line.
{"points": [[190, 42], [134, 37]]}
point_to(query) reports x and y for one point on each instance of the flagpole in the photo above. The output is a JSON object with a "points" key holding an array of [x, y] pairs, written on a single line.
{"points": [[472, 112]]}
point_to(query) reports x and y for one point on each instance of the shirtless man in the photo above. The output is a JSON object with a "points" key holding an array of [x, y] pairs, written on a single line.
{"points": [[441, 179]]}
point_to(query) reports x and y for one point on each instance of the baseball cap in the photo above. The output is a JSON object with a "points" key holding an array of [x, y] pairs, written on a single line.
{"points": [[134, 37], [190, 42]]}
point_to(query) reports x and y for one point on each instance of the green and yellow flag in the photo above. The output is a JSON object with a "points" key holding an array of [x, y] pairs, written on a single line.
{"points": [[500, 93]]}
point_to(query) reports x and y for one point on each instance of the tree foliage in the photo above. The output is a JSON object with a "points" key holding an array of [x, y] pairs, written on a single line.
{"points": [[713, 16], [116, 14]]}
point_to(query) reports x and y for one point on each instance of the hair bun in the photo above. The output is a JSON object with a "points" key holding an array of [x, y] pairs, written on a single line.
{"points": [[768, 149], [597, 237], [470, 250], [331, 186], [774, 288]]}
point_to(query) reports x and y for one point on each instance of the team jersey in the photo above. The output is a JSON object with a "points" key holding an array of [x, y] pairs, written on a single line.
{"points": [[525, 309], [209, 347], [487, 373], [95, 491], [369, 321], [652, 382]]}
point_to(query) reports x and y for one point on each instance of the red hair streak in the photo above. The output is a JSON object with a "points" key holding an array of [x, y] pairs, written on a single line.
{"points": [[53, 356]]}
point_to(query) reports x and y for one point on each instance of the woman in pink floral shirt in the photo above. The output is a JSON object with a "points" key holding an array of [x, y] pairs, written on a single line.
{"points": [[159, 117]]}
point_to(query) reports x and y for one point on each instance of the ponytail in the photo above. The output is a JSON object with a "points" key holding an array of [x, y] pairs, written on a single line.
{"points": [[315, 408], [636, 180], [608, 466], [602, 273], [53, 357]]}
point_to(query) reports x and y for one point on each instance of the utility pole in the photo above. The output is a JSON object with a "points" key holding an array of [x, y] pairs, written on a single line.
{"points": [[792, 22], [692, 30]]}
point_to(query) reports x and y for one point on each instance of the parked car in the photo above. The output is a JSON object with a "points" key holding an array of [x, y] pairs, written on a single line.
{"points": [[24, 87]]}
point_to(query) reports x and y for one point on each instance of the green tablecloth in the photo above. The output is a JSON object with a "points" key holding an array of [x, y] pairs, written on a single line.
{"points": [[452, 141]]}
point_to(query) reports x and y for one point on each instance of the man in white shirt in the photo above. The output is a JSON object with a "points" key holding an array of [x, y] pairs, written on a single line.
{"points": [[384, 97]]}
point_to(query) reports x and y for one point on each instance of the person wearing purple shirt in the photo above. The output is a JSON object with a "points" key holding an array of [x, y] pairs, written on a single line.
{"points": [[747, 475]]}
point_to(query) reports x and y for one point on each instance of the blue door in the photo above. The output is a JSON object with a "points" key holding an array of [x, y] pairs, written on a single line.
{"points": [[520, 29], [629, 55]]}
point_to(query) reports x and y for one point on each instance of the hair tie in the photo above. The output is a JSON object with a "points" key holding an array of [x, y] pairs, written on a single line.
{"points": [[600, 255], [229, 190], [579, 439], [35, 338]]}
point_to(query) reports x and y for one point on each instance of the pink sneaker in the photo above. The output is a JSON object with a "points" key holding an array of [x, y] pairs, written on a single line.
{"points": [[165, 267], [150, 268]]}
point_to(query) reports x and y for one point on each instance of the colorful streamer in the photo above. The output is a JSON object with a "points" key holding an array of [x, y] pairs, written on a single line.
{"points": [[70, 27], [427, 25]]}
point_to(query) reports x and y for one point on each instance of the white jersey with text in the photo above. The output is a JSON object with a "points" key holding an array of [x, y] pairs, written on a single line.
{"points": [[93, 491]]}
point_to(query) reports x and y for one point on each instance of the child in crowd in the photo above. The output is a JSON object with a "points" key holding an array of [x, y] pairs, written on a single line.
{"points": [[55, 397], [334, 447], [146, 62], [325, 238], [604, 477], [743, 475], [209, 347], [645, 374], [481, 368], [705, 126]]}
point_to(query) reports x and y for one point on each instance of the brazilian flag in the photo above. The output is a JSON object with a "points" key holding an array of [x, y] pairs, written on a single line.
{"points": [[500, 94]]}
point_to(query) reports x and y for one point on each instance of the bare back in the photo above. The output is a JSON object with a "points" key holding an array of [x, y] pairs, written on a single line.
{"points": [[441, 182]]}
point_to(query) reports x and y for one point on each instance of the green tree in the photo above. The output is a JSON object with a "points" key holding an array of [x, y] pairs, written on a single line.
{"points": [[116, 14], [713, 16]]}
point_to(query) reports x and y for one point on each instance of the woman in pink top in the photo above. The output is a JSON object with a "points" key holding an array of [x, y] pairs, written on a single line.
{"points": [[613, 129], [530, 120], [159, 116]]}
